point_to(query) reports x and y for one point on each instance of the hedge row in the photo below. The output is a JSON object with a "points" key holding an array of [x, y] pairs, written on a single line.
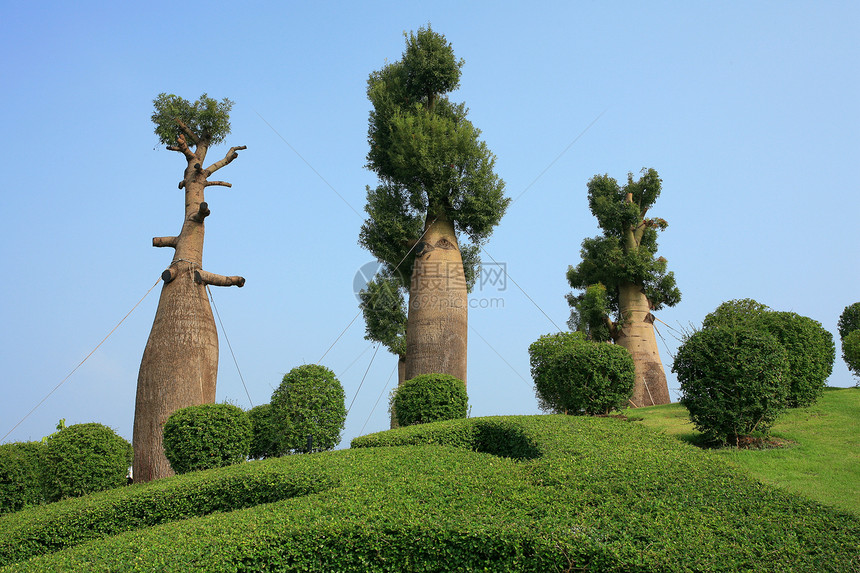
{"points": [[38, 530], [595, 494]]}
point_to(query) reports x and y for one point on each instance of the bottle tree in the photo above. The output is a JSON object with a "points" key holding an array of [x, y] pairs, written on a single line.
{"points": [[438, 198], [180, 362], [622, 280]]}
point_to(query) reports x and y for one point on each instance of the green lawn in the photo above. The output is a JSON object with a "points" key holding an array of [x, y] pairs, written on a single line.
{"points": [[822, 462]]}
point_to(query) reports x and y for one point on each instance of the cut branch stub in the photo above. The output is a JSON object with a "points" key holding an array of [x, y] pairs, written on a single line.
{"points": [[207, 278], [202, 212], [168, 275], [165, 241]]}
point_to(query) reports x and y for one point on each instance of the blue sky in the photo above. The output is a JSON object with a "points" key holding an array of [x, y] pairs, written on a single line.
{"points": [[749, 112]]}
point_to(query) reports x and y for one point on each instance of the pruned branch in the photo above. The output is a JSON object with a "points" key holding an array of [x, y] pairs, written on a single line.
{"points": [[202, 212], [207, 278], [182, 147], [221, 183], [168, 275], [231, 155], [187, 131], [165, 241]]}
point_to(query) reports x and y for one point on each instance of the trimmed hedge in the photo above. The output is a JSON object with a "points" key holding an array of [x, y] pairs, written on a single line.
{"points": [[206, 436], [732, 381], [84, 458], [602, 495], [20, 475], [576, 376], [308, 409], [430, 398], [264, 433]]}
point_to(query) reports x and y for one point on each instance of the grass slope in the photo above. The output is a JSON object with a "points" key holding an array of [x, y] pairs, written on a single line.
{"points": [[821, 462], [519, 493]]}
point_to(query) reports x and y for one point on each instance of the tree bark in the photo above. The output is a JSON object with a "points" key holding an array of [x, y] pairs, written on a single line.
{"points": [[636, 334], [401, 378], [179, 367], [436, 326]]}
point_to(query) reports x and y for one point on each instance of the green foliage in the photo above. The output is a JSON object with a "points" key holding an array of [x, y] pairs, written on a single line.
{"points": [[624, 254], [384, 309], [308, 403], [208, 119], [265, 439], [810, 347], [20, 475], [430, 398], [576, 376], [427, 155], [738, 312], [851, 351], [594, 494], [84, 458], [52, 527], [849, 320], [733, 381], [206, 436]]}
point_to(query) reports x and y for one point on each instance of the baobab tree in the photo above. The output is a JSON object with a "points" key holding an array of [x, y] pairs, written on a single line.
{"points": [[438, 199], [180, 362], [623, 280]]}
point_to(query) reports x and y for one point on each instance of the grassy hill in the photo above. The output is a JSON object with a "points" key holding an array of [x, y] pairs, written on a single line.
{"points": [[518, 493], [821, 457]]}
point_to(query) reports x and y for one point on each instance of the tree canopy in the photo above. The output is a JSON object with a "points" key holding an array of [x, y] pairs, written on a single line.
{"points": [[205, 121], [626, 253], [427, 154]]}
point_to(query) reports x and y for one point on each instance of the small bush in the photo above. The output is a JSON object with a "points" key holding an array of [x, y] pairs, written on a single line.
{"points": [[308, 409], [206, 436], [430, 398], [576, 376], [264, 433], [732, 381], [84, 458], [20, 475], [849, 320], [851, 351], [738, 312], [810, 349]]}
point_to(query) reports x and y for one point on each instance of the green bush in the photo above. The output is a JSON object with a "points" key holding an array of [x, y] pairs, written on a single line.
{"points": [[264, 433], [20, 475], [84, 458], [851, 351], [308, 406], [430, 398], [810, 347], [206, 436], [577, 376], [732, 381], [849, 320]]}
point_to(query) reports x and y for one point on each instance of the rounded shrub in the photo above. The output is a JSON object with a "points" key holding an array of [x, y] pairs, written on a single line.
{"points": [[851, 351], [732, 381], [265, 439], [430, 398], [738, 312], [20, 475], [849, 320], [84, 458], [577, 376], [308, 410], [810, 349], [206, 436]]}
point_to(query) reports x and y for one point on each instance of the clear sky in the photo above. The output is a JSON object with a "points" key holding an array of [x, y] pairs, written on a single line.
{"points": [[748, 110]]}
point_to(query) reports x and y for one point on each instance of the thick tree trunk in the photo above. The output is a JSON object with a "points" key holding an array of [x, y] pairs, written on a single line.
{"points": [[180, 362], [436, 327], [179, 367], [636, 334]]}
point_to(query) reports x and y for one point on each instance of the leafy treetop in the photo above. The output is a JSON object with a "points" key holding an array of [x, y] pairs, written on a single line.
{"points": [[206, 121]]}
